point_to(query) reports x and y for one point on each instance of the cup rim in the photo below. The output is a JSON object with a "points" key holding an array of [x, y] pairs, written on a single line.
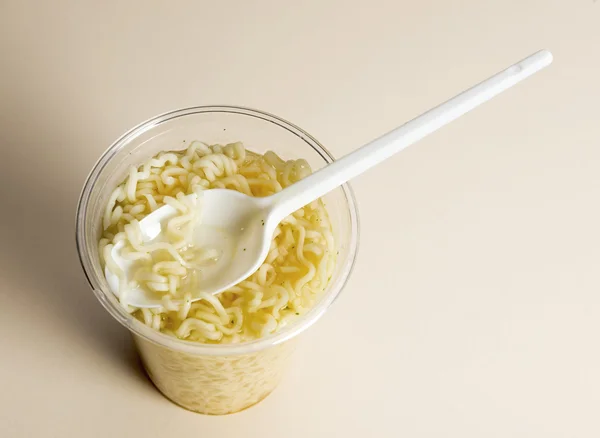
{"points": [[110, 302]]}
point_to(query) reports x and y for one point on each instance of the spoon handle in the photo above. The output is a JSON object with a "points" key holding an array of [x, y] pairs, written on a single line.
{"points": [[337, 173]]}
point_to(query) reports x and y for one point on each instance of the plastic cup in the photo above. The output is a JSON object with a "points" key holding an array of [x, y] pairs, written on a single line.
{"points": [[211, 379]]}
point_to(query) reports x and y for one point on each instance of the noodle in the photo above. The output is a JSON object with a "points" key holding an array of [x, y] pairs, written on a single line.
{"points": [[299, 264]]}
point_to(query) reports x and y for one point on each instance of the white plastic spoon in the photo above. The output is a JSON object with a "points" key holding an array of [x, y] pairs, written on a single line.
{"points": [[242, 226]]}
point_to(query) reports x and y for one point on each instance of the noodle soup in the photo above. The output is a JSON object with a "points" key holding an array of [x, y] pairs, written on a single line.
{"points": [[222, 353]]}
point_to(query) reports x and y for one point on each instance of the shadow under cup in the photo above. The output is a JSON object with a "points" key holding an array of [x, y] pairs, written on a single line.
{"points": [[211, 379]]}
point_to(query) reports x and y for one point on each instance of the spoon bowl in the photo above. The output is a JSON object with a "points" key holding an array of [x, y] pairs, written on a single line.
{"points": [[234, 224]]}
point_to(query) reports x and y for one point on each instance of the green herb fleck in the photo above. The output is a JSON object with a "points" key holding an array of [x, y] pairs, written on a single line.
{"points": [[297, 313], [244, 249]]}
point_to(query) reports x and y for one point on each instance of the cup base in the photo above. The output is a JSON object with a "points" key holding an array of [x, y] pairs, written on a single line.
{"points": [[215, 414]]}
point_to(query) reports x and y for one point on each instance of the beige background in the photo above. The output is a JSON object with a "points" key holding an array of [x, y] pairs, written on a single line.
{"points": [[474, 307]]}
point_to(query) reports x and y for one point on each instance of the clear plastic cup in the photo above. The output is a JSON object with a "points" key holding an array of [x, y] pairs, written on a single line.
{"points": [[211, 379]]}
